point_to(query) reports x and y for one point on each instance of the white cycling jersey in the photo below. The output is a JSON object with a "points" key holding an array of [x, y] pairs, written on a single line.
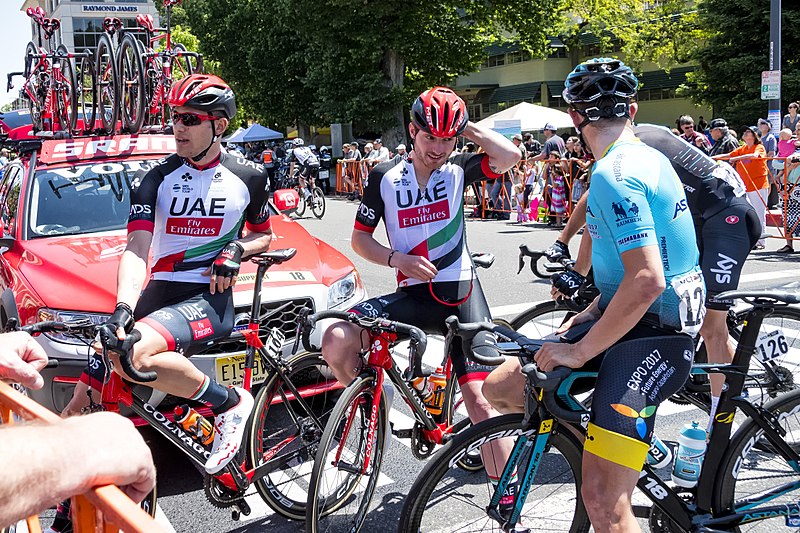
{"points": [[194, 212], [304, 156]]}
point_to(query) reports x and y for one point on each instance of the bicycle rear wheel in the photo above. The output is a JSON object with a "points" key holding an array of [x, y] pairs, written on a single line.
{"points": [[131, 75], [446, 498], [34, 86], [87, 92], [542, 319], [339, 493], [283, 432], [317, 202], [752, 466], [66, 92], [107, 84]]}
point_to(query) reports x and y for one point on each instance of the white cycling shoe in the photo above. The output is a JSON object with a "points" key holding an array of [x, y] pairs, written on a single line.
{"points": [[229, 427]]}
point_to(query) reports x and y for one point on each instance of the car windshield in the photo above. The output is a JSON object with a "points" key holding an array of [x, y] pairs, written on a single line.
{"points": [[84, 198]]}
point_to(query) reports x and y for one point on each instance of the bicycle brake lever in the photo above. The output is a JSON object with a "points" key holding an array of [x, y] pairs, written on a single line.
{"points": [[521, 262]]}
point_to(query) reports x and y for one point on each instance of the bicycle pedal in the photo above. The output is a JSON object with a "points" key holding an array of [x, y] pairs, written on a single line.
{"points": [[347, 467], [402, 433]]}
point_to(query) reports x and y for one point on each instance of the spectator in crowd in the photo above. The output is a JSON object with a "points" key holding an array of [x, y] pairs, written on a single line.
{"points": [[556, 189], [368, 149], [44, 464], [771, 148], [502, 205], [380, 151], [702, 124], [724, 141], [401, 150], [532, 146], [691, 136], [3, 158], [785, 149], [552, 143], [469, 148], [791, 206], [351, 155], [580, 163], [752, 167], [791, 120]]}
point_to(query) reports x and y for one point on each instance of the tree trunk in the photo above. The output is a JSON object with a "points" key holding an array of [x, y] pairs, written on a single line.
{"points": [[394, 69]]}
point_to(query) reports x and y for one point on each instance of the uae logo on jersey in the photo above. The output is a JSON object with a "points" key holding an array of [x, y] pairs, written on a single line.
{"points": [[733, 219], [626, 211]]}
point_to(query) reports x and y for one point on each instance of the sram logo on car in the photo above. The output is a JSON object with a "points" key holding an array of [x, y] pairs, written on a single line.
{"points": [[119, 145]]}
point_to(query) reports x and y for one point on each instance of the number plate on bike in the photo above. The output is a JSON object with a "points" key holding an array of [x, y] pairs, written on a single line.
{"points": [[771, 344], [230, 369]]}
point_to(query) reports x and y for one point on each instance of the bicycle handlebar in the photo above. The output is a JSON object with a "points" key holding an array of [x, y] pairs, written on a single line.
{"points": [[419, 341]]}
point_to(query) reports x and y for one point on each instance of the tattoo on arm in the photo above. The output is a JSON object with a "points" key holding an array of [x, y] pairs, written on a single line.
{"points": [[494, 168]]}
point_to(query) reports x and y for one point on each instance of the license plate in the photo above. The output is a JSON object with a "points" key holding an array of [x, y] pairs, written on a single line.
{"points": [[230, 369]]}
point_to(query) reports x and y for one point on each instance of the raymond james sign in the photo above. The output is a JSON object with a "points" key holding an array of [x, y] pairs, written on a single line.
{"points": [[109, 8]]}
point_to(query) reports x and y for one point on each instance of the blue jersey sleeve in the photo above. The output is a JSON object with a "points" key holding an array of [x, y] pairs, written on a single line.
{"points": [[623, 204]]}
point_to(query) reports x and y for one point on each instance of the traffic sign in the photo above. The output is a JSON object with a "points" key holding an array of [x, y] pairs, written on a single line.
{"points": [[771, 85]]}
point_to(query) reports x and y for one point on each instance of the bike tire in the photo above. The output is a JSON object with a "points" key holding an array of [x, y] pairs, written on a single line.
{"points": [[300, 210], [318, 203], [66, 93], [132, 88], [33, 86], [433, 500], [751, 464], [276, 420], [183, 63], [339, 500], [105, 61], [87, 92], [542, 319]]}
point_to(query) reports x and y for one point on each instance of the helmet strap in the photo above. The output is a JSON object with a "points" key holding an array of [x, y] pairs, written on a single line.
{"points": [[214, 138]]}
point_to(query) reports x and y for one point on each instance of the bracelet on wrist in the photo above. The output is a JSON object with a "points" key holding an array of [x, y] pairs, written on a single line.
{"points": [[389, 260]]}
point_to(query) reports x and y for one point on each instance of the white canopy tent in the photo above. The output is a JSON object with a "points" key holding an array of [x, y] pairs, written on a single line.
{"points": [[532, 117]]}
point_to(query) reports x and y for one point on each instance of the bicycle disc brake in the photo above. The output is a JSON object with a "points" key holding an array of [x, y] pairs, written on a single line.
{"points": [[421, 447], [218, 494]]}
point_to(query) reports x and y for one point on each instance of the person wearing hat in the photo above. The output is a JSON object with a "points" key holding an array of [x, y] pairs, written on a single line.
{"points": [[379, 153], [724, 141], [552, 143], [401, 150], [770, 143], [751, 164]]}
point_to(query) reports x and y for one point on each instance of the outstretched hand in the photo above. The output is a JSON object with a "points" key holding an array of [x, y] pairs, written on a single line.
{"points": [[21, 359]]}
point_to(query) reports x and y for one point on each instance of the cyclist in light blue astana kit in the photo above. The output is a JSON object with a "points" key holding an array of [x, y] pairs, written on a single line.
{"points": [[651, 301]]}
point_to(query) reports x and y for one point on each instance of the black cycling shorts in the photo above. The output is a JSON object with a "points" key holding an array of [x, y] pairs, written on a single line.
{"points": [[644, 368], [414, 305], [309, 171], [187, 315], [724, 240]]}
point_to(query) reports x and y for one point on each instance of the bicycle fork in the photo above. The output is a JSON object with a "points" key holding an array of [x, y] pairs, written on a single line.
{"points": [[373, 423]]}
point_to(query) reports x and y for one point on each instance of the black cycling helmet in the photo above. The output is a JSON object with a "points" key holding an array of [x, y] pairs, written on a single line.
{"points": [[600, 77]]}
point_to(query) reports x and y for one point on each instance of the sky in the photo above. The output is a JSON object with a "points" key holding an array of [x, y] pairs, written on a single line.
{"points": [[15, 32]]}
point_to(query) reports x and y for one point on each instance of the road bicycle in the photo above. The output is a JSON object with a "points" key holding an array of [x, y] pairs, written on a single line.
{"points": [[348, 461], [285, 182], [147, 74], [289, 416], [746, 479], [50, 82]]}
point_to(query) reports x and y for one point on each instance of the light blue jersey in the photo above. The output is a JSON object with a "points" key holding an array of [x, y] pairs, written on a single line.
{"points": [[637, 200]]}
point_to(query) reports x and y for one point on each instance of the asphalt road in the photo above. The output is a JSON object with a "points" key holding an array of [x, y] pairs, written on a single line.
{"points": [[181, 495]]}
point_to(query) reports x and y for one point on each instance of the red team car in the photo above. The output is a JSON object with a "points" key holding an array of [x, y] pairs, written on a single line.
{"points": [[64, 205]]}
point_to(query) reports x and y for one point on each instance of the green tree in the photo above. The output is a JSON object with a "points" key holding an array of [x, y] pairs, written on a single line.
{"points": [[734, 53]]}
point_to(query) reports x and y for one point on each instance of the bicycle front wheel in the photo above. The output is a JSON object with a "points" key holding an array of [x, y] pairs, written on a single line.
{"points": [[542, 319], [446, 498], [284, 432], [132, 94], [317, 202], [300, 210], [342, 483], [66, 93], [107, 84], [754, 472], [87, 92]]}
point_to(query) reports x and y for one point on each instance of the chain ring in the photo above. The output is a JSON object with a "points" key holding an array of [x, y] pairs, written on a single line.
{"points": [[659, 522], [421, 447], [219, 495]]}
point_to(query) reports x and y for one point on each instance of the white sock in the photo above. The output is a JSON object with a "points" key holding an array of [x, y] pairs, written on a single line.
{"points": [[714, 404]]}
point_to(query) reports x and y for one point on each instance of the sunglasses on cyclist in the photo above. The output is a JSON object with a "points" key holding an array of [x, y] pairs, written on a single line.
{"points": [[190, 119]]}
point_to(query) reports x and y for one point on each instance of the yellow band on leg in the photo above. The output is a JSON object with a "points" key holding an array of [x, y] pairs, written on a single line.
{"points": [[619, 449]]}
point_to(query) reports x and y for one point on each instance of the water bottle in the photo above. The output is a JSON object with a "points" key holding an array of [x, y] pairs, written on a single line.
{"points": [[659, 455], [689, 458], [431, 390], [196, 424]]}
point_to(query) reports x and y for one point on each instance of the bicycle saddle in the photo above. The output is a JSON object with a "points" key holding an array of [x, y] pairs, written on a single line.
{"points": [[483, 260], [274, 257]]}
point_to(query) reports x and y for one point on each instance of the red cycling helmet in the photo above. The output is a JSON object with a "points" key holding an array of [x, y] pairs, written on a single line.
{"points": [[203, 92], [440, 112]]}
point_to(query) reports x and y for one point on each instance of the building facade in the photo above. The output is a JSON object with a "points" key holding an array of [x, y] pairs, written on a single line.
{"points": [[510, 75], [82, 20]]}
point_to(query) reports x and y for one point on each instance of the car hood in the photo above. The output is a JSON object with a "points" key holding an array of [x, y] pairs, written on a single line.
{"points": [[80, 272]]}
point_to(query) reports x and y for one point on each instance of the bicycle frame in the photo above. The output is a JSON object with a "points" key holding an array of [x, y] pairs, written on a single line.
{"points": [[686, 515]]}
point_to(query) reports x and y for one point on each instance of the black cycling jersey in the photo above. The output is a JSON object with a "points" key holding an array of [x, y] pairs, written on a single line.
{"points": [[710, 186]]}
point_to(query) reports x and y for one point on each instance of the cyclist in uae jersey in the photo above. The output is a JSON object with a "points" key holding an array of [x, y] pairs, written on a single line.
{"points": [[651, 294], [420, 200], [200, 211]]}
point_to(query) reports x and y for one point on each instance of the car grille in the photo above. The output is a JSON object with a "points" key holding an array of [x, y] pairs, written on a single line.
{"points": [[285, 320]]}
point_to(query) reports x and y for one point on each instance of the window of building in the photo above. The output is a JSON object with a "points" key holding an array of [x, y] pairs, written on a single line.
{"points": [[87, 31], [518, 57], [494, 61], [558, 53], [555, 101], [474, 112]]}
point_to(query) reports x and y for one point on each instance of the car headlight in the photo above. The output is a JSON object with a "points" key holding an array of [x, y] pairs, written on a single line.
{"points": [[68, 316], [344, 289]]}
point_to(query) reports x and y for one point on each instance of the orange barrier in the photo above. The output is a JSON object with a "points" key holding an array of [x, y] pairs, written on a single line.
{"points": [[351, 175], [105, 509]]}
